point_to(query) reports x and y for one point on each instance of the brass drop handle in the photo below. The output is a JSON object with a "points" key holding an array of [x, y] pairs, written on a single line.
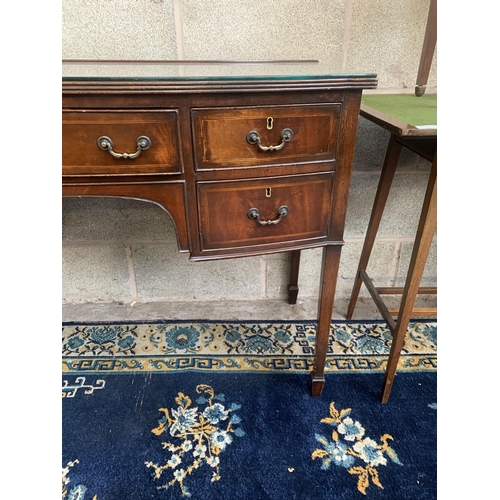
{"points": [[254, 138], [106, 144], [254, 214]]}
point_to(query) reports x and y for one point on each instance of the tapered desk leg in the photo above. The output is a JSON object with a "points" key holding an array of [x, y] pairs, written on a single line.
{"points": [[423, 240], [391, 160], [328, 283], [293, 288]]}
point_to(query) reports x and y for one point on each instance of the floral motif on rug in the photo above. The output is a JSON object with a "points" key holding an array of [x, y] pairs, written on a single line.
{"points": [[200, 436], [349, 447]]}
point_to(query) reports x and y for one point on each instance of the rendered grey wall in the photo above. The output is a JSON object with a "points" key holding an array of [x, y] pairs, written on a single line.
{"points": [[117, 250]]}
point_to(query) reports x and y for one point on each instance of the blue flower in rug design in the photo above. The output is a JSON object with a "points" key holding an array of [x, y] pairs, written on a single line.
{"points": [[200, 437], [215, 413], [75, 342], [351, 430], [338, 452], [430, 332], [77, 492], [424, 334], [259, 339], [372, 345], [102, 335], [99, 340], [183, 338], [221, 439], [282, 336], [258, 344], [233, 336], [183, 420], [127, 342], [362, 339], [369, 452], [348, 446], [342, 336]]}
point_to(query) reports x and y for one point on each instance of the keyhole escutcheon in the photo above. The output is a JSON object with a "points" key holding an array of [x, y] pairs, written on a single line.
{"points": [[268, 192], [269, 123]]}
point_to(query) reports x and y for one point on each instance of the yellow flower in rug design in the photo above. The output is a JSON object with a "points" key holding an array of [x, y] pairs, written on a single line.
{"points": [[200, 435], [349, 446]]}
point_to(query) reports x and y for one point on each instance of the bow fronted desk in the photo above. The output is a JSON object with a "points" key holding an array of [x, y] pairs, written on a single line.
{"points": [[244, 164]]}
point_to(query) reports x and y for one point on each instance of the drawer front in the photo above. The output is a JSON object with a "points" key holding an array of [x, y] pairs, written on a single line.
{"points": [[220, 135], [81, 154], [227, 220]]}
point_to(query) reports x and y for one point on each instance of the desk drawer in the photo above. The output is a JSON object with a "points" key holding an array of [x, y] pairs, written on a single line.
{"points": [[229, 212], [221, 136], [81, 154]]}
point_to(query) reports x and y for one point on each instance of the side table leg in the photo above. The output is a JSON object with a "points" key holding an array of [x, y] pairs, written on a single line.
{"points": [[391, 160], [328, 283], [425, 233], [427, 50], [293, 288]]}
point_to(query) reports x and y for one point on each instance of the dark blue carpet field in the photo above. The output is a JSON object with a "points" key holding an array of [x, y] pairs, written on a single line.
{"points": [[206, 410]]}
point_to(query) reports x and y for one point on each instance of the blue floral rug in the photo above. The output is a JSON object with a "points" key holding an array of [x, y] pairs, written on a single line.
{"points": [[212, 410]]}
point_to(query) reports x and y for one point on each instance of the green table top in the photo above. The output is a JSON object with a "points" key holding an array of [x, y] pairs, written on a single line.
{"points": [[416, 111]]}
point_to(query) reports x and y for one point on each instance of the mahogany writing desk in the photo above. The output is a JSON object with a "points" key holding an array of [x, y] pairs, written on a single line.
{"points": [[244, 165]]}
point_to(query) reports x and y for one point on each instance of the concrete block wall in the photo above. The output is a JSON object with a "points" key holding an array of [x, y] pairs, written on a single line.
{"points": [[125, 251]]}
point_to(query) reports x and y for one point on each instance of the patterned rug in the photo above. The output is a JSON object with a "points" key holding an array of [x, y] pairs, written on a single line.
{"points": [[214, 410]]}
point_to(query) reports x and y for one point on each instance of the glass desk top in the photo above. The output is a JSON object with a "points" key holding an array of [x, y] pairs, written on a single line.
{"points": [[177, 70]]}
